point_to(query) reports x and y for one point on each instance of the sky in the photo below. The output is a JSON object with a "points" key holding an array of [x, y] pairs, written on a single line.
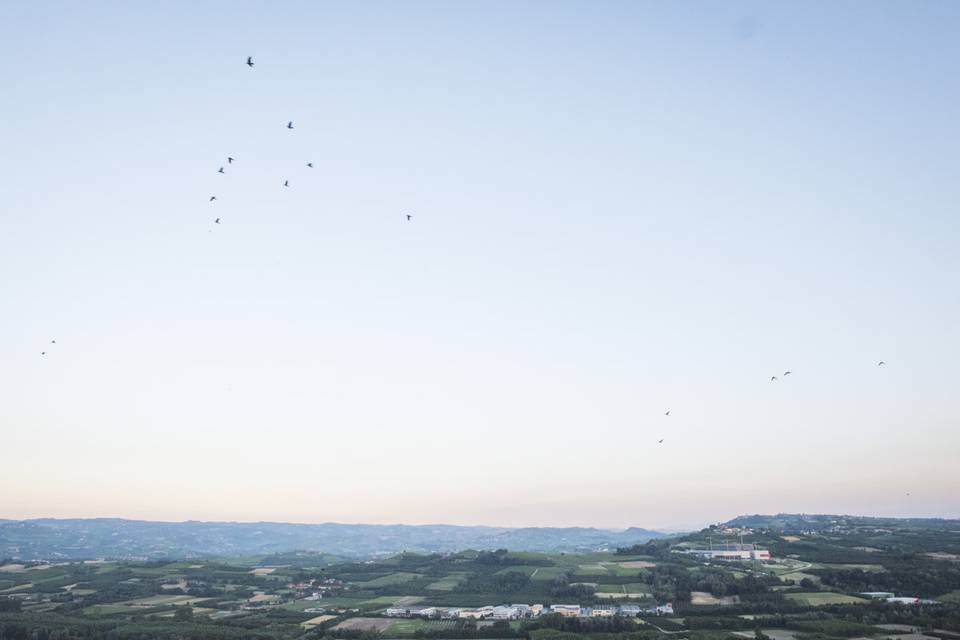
{"points": [[619, 209]]}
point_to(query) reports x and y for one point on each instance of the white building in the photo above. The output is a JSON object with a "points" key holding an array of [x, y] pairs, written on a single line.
{"points": [[732, 551], [412, 612], [569, 610], [505, 613], [603, 611]]}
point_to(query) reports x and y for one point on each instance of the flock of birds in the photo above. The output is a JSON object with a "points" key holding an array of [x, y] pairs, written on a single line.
{"points": [[286, 183], [772, 379]]}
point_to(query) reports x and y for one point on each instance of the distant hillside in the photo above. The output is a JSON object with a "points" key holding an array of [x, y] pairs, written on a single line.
{"points": [[117, 538], [798, 522]]}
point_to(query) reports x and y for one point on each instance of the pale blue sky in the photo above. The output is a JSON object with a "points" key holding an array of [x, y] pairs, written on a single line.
{"points": [[619, 208]]}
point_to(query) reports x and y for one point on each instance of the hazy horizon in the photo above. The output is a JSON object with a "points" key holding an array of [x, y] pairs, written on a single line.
{"points": [[660, 529], [619, 209]]}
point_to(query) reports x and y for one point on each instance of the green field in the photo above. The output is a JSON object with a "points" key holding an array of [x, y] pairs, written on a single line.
{"points": [[525, 569], [405, 627], [448, 582], [393, 579], [326, 603], [821, 598], [105, 609], [870, 568], [595, 569], [547, 573], [19, 587], [388, 601]]}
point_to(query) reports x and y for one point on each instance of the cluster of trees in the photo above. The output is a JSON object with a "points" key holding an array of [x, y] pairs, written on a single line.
{"points": [[506, 582], [944, 616], [9, 604], [653, 548], [928, 579], [56, 627], [613, 624]]}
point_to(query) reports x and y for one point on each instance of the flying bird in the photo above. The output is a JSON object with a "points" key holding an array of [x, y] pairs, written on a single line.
{"points": [[220, 170], [43, 353], [786, 373], [881, 363], [409, 217], [290, 125], [660, 441], [250, 61], [212, 198], [229, 160], [53, 342], [310, 164], [286, 183], [667, 413], [772, 378], [217, 221]]}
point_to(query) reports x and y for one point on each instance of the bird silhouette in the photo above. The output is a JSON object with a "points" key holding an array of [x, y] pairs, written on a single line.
{"points": [[660, 441], [43, 353], [772, 378], [786, 373], [250, 61], [409, 217], [290, 125], [220, 170], [881, 363], [217, 221], [229, 160], [53, 342], [286, 183], [212, 198], [310, 164], [667, 413]]}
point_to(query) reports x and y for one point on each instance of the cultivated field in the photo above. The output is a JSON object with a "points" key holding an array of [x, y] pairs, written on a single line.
{"points": [[635, 564], [547, 573], [799, 575], [447, 583], [158, 601], [821, 598], [366, 624], [313, 622], [13, 568], [706, 598], [941, 555], [394, 578]]}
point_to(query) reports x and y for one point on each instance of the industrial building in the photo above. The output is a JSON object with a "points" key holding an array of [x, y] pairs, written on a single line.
{"points": [[570, 610], [732, 551]]}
